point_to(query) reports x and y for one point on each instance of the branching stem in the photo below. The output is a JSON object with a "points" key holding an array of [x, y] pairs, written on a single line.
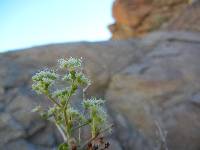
{"points": [[53, 101]]}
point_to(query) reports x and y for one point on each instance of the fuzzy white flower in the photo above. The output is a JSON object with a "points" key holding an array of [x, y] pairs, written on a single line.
{"points": [[43, 80], [61, 94], [69, 63], [45, 74]]}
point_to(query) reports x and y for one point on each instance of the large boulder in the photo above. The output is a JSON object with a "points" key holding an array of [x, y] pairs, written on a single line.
{"points": [[135, 18], [188, 19], [19, 127], [160, 93], [151, 84]]}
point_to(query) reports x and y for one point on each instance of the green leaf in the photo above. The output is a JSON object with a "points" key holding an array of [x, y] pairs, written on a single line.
{"points": [[63, 146]]}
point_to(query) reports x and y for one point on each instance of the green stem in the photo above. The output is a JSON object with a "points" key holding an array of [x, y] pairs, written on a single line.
{"points": [[79, 135], [84, 124], [93, 128], [67, 101], [66, 117], [67, 125], [61, 132], [70, 94], [53, 101]]}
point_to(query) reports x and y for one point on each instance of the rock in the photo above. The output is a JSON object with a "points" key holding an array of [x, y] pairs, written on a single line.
{"points": [[188, 19], [103, 59], [135, 18], [151, 85], [114, 145], [21, 107], [19, 145], [159, 88], [2, 91], [10, 129], [196, 99], [45, 138], [128, 136]]}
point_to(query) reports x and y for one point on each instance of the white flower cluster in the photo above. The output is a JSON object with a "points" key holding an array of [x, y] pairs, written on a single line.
{"points": [[75, 114], [69, 120], [70, 63], [43, 80], [81, 79], [93, 102], [97, 112], [61, 94]]}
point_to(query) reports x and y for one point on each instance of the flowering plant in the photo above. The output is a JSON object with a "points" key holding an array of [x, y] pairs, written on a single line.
{"points": [[59, 88]]}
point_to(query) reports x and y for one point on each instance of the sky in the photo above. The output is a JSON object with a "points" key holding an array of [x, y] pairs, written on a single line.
{"points": [[27, 23]]}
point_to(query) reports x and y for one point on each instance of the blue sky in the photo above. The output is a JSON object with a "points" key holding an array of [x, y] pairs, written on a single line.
{"points": [[26, 23]]}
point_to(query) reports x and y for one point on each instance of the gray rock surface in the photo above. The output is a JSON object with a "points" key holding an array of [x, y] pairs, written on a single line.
{"points": [[161, 89], [149, 84]]}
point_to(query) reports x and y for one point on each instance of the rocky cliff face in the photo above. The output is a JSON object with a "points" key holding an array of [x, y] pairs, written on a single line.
{"points": [[135, 18], [151, 86], [188, 19]]}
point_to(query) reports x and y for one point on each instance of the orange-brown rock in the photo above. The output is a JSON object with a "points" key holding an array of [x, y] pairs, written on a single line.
{"points": [[187, 19], [138, 17]]}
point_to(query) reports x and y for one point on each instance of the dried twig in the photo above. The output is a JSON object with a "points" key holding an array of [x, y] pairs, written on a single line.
{"points": [[162, 136]]}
